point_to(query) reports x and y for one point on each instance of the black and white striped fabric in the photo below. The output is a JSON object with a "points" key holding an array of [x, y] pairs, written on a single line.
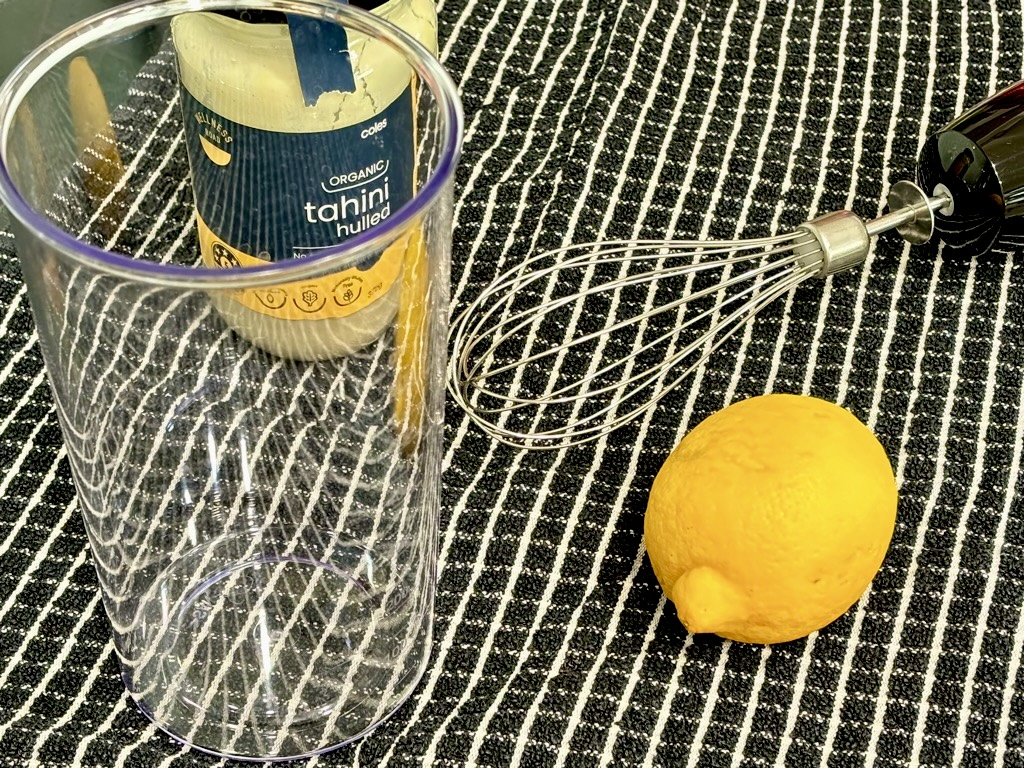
{"points": [[553, 643]]}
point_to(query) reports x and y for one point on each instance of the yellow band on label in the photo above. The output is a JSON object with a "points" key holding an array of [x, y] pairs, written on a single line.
{"points": [[336, 295]]}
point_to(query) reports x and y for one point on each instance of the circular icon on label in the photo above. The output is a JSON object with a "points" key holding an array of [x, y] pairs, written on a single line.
{"points": [[272, 298], [223, 258], [310, 299], [347, 291]]}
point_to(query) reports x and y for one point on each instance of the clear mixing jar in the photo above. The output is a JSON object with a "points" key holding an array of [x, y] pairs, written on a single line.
{"points": [[260, 486]]}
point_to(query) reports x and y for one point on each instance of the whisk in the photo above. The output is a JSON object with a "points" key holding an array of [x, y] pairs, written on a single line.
{"points": [[634, 318]]}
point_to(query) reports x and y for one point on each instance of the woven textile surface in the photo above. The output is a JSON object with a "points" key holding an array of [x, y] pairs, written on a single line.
{"points": [[553, 643]]}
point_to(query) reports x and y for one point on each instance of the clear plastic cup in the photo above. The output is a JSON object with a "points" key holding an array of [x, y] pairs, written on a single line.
{"points": [[260, 491]]}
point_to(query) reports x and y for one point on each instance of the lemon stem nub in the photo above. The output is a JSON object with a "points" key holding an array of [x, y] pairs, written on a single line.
{"points": [[707, 602]]}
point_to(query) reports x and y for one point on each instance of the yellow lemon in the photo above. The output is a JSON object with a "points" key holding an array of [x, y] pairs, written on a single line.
{"points": [[770, 518]]}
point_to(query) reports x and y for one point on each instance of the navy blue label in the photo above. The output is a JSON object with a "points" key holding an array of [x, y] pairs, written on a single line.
{"points": [[275, 195]]}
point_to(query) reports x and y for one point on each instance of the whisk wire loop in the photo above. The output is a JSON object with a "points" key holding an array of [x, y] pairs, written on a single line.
{"points": [[559, 396], [579, 432], [495, 319], [501, 332]]}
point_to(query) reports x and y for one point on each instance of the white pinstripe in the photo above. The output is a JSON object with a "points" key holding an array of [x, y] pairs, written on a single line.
{"points": [[128, 328], [121, 399], [917, 742], [972, 494], [878, 724], [16, 467], [805, 659], [125, 217], [236, 507], [520, 210], [819, 190], [497, 78], [22, 518], [1011, 687], [533, 517], [446, 643], [124, 332], [174, 201], [574, 514], [530, 135], [810, 643], [26, 578], [673, 684], [466, 14], [563, 544], [940, 460], [12, 311], [106, 725], [754, 698], [873, 410], [269, 588], [482, 729], [502, 132], [54, 667], [37, 497], [960, 742], [369, 544], [865, 274], [751, 708], [907, 591], [607, 751], [369, 635], [30, 344], [560, 658], [858, 308], [80, 700], [635, 674], [670, 693]]}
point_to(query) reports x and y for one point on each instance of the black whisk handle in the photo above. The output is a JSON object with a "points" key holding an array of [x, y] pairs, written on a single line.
{"points": [[978, 159]]}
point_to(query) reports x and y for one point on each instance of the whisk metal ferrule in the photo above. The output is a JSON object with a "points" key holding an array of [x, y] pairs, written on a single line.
{"points": [[841, 241]]}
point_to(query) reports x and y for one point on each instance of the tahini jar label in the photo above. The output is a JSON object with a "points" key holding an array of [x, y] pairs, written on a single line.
{"points": [[264, 196]]}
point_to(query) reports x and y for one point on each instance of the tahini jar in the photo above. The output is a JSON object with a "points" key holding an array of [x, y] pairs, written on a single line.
{"points": [[292, 150]]}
